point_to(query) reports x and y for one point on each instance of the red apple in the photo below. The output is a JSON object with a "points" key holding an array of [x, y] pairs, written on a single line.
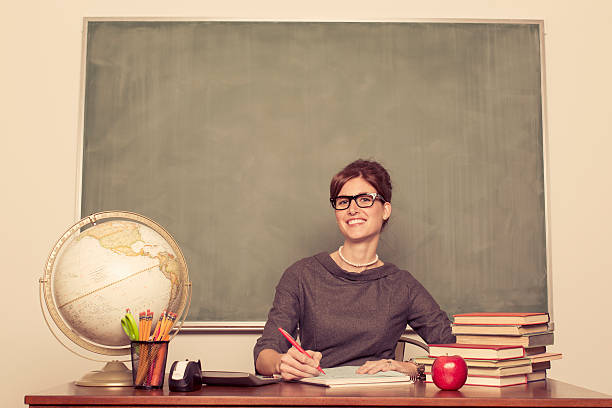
{"points": [[449, 372]]}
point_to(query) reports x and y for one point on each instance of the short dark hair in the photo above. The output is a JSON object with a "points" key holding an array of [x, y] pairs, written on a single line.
{"points": [[371, 171]]}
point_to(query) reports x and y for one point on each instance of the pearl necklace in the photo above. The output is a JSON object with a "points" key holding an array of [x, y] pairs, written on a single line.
{"points": [[356, 265]]}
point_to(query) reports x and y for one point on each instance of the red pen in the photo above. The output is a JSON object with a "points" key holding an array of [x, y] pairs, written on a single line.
{"points": [[297, 346]]}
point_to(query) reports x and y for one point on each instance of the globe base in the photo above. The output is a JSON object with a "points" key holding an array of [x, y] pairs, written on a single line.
{"points": [[113, 374]]}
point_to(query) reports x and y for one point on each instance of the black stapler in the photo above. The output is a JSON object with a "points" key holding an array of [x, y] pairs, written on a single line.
{"points": [[185, 376]]}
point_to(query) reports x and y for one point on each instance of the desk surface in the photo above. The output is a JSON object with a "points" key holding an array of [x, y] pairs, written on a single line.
{"points": [[549, 393]]}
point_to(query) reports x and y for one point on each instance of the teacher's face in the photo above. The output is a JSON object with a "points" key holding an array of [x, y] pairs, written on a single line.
{"points": [[361, 224]]}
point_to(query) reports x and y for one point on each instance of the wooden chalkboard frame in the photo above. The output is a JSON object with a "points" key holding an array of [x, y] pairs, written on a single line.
{"points": [[256, 326]]}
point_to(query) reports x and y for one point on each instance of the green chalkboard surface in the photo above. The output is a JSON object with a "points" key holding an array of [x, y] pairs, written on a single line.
{"points": [[227, 133]]}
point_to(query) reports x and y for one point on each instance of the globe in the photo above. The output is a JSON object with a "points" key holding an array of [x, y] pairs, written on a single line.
{"points": [[103, 265]]}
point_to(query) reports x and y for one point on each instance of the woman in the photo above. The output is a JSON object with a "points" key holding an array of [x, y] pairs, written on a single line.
{"points": [[349, 307]]}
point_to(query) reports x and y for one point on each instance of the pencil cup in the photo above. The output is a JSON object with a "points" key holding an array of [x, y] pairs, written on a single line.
{"points": [[149, 363]]}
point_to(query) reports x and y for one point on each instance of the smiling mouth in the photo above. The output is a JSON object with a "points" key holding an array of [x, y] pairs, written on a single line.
{"points": [[352, 222]]}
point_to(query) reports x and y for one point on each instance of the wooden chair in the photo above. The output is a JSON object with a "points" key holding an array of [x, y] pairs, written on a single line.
{"points": [[409, 347]]}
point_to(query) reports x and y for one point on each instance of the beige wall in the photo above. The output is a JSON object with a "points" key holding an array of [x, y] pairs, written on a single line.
{"points": [[41, 47]]}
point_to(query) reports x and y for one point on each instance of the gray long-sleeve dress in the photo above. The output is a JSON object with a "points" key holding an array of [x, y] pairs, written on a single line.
{"points": [[350, 317]]}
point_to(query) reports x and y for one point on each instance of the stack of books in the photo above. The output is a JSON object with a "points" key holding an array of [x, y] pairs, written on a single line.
{"points": [[500, 349]]}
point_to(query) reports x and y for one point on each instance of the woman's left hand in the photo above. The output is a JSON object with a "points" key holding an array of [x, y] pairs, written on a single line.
{"points": [[372, 367]]}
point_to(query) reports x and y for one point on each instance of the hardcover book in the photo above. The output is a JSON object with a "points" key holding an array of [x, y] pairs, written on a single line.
{"points": [[541, 366], [515, 362], [499, 372], [530, 351], [490, 381], [476, 351], [501, 318], [542, 357], [499, 329], [536, 376], [526, 340], [494, 371]]}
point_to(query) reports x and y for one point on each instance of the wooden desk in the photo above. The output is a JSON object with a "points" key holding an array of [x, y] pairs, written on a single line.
{"points": [[549, 393]]}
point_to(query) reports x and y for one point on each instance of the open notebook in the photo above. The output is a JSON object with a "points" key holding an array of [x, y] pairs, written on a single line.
{"points": [[347, 375]]}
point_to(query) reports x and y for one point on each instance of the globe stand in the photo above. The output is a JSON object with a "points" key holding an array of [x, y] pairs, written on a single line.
{"points": [[113, 374]]}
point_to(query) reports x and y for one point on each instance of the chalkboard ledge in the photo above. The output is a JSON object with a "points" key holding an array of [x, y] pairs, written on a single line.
{"points": [[236, 328], [222, 327]]}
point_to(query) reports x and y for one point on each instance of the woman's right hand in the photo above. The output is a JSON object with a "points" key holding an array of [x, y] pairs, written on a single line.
{"points": [[295, 365]]}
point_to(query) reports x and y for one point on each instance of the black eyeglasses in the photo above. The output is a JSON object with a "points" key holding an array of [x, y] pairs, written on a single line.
{"points": [[363, 200]]}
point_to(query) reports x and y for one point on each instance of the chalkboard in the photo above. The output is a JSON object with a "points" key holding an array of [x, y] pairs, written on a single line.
{"points": [[227, 133]]}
